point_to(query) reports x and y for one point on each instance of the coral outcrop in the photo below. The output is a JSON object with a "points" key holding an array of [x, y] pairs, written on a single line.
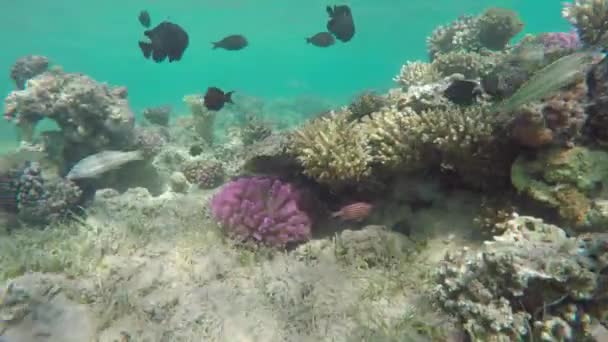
{"points": [[564, 179], [497, 26], [204, 119], [262, 209], [27, 67], [416, 73], [529, 279], [91, 115], [596, 125], [42, 199], [590, 18], [158, 115], [205, 174]]}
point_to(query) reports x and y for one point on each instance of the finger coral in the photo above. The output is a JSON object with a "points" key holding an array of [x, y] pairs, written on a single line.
{"points": [[262, 209], [333, 150], [590, 17]]}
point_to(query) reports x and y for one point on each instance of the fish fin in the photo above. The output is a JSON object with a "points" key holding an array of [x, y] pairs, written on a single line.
{"points": [[330, 11], [228, 97], [215, 45], [308, 40], [336, 214], [146, 49], [138, 155]]}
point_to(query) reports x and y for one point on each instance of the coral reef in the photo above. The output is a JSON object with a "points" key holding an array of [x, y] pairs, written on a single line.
{"points": [[564, 179], [27, 67], [497, 26], [41, 200], [333, 150], [149, 140], [516, 285], [204, 120], [416, 73], [206, 174], [596, 126], [92, 116], [365, 104], [590, 18], [254, 130], [158, 115], [262, 209], [469, 64]]}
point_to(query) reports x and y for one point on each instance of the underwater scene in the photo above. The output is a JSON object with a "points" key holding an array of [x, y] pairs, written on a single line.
{"points": [[269, 171]]}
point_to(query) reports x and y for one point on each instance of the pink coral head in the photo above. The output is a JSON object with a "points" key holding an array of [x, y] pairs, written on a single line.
{"points": [[262, 209]]}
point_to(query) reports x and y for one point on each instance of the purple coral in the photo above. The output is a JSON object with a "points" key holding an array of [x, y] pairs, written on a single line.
{"points": [[262, 208], [559, 41]]}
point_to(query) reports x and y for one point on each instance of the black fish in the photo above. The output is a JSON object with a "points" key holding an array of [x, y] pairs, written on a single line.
{"points": [[321, 39], [462, 92], [341, 22], [215, 98], [233, 43], [166, 40], [144, 18]]}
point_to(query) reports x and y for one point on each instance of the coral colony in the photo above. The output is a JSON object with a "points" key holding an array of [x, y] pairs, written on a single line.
{"points": [[521, 122]]}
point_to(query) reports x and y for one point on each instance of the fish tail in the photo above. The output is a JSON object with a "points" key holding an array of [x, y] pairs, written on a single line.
{"points": [[138, 155], [146, 49], [215, 45], [308, 40], [228, 97], [336, 214]]}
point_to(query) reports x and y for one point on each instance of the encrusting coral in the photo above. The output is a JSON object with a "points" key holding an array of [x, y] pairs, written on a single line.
{"points": [[263, 210], [333, 150], [206, 174], [590, 17], [519, 283], [27, 67], [204, 119]]}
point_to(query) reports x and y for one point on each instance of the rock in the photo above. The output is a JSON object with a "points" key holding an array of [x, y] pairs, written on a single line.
{"points": [[178, 182]]}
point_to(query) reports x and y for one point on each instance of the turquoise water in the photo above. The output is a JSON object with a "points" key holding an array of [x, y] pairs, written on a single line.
{"points": [[100, 39]]}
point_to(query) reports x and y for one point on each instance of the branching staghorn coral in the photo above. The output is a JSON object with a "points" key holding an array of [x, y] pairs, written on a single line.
{"points": [[333, 150], [590, 17], [204, 119], [416, 73]]}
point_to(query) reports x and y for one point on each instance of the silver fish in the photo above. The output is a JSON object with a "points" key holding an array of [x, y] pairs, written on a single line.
{"points": [[102, 162]]}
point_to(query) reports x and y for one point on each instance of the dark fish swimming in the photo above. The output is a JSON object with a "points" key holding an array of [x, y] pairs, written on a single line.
{"points": [[144, 18], [321, 39], [233, 42], [166, 40], [215, 98], [462, 92], [341, 22]]}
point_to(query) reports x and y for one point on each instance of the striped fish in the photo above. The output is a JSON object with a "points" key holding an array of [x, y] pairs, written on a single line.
{"points": [[357, 211]]}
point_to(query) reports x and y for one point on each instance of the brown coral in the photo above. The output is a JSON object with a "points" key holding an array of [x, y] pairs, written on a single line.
{"points": [[497, 26], [206, 174]]}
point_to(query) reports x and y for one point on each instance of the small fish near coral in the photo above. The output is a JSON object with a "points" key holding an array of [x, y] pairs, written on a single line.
{"points": [[215, 98], [166, 40], [321, 39], [341, 23], [144, 18], [233, 42], [357, 212]]}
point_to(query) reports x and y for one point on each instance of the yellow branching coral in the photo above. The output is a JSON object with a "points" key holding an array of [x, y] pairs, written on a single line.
{"points": [[333, 150], [416, 73], [203, 118], [395, 138]]}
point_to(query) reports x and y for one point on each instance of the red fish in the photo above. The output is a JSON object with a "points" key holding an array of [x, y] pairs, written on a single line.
{"points": [[357, 211]]}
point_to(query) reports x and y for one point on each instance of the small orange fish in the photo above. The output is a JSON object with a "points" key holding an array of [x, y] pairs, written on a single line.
{"points": [[357, 211]]}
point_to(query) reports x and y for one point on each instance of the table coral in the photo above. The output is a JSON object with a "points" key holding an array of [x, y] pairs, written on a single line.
{"points": [[262, 209]]}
